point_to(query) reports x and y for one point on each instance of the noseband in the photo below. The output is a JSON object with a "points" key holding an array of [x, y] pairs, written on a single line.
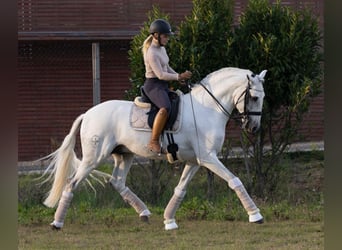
{"points": [[246, 113]]}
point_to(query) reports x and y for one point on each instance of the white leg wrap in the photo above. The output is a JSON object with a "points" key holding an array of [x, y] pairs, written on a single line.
{"points": [[134, 201], [174, 203], [57, 224], [62, 208], [235, 182], [179, 192], [146, 212], [170, 224], [247, 202], [255, 217]]}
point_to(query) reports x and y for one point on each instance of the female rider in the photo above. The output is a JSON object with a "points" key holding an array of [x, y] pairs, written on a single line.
{"points": [[158, 73]]}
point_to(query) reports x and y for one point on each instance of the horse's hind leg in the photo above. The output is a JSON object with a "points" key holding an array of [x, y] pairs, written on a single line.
{"points": [[178, 195], [93, 155], [122, 165], [81, 173]]}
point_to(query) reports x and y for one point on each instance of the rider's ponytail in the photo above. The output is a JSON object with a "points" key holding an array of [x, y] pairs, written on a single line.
{"points": [[147, 44]]}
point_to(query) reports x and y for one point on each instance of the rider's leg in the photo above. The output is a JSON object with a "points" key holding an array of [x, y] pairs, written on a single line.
{"points": [[158, 126]]}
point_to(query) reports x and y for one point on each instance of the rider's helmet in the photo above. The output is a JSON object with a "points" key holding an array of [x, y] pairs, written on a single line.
{"points": [[160, 26]]}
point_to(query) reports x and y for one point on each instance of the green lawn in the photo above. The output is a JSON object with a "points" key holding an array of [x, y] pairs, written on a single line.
{"points": [[130, 233], [294, 220]]}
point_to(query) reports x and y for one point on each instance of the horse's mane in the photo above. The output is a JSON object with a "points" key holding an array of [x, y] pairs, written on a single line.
{"points": [[224, 73]]}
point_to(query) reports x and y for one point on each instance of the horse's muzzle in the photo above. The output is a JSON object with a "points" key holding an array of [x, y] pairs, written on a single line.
{"points": [[254, 129], [250, 128]]}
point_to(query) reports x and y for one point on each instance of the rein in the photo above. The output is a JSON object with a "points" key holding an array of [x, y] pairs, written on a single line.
{"points": [[245, 113], [193, 115], [215, 99]]}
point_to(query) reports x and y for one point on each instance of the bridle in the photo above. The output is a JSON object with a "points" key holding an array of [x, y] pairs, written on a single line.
{"points": [[242, 115]]}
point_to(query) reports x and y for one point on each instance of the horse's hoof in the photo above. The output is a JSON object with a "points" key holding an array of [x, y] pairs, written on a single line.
{"points": [[145, 219], [261, 221], [54, 227], [256, 218]]}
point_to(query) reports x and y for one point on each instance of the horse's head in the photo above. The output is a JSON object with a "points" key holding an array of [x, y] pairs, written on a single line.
{"points": [[249, 102]]}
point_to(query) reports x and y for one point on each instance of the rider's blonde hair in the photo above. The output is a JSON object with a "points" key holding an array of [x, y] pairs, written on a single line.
{"points": [[147, 44]]}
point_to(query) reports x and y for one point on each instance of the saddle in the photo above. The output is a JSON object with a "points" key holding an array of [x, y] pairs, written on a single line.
{"points": [[144, 103], [144, 112]]}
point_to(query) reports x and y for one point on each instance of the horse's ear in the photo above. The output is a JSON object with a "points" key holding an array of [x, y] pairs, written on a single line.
{"points": [[262, 74]]}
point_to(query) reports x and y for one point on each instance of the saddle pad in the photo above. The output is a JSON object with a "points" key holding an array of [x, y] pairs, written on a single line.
{"points": [[138, 118]]}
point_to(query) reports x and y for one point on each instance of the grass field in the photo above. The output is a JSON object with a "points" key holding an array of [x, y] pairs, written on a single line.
{"points": [[294, 221], [130, 233]]}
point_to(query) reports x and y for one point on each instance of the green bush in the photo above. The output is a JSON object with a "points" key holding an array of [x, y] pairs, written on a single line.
{"points": [[30, 191], [203, 39], [287, 43]]}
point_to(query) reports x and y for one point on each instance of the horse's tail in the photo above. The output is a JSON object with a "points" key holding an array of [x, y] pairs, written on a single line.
{"points": [[63, 164]]}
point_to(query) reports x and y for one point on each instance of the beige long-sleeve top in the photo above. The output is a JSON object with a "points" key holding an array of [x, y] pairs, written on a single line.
{"points": [[157, 63]]}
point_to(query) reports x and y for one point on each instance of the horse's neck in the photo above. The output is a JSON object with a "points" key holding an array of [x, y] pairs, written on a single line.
{"points": [[224, 93]]}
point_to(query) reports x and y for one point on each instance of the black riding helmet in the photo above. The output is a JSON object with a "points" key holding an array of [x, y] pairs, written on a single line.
{"points": [[160, 26]]}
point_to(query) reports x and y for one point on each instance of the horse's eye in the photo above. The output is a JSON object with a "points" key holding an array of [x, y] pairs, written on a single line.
{"points": [[255, 98]]}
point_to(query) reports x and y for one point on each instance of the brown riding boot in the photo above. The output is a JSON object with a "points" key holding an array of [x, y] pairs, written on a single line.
{"points": [[158, 126]]}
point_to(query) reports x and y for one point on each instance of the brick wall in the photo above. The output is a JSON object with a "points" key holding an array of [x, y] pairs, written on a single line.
{"points": [[55, 86]]}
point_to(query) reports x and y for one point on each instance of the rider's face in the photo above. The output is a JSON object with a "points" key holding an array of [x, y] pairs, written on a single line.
{"points": [[164, 38]]}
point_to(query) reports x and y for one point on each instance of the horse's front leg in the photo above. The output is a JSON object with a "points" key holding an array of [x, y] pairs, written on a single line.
{"points": [[178, 195], [234, 183], [122, 165]]}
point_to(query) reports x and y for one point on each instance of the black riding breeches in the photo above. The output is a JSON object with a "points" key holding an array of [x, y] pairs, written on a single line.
{"points": [[158, 92]]}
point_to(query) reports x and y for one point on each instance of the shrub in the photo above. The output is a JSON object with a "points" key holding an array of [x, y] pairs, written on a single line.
{"points": [[286, 43]]}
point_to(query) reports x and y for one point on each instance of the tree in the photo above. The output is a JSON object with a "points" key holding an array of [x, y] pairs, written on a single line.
{"points": [[287, 44], [204, 38]]}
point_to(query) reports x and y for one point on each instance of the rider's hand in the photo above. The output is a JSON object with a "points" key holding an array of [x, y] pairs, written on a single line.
{"points": [[185, 75]]}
